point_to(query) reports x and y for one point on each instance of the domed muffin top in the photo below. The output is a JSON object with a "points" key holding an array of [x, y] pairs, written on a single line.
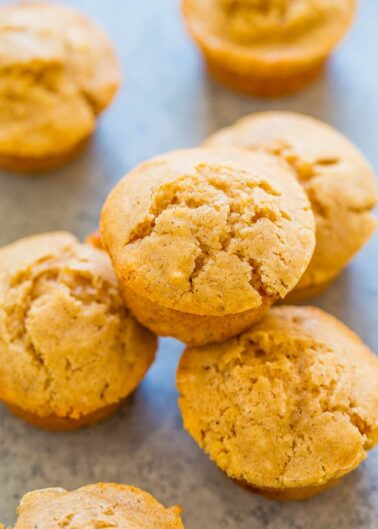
{"points": [[95, 506], [272, 406], [209, 232], [68, 345]]}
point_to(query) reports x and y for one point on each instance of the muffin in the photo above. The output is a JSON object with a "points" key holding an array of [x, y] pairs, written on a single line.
{"points": [[338, 181], [267, 47], [95, 506], [58, 71], [70, 351], [203, 241], [288, 407]]}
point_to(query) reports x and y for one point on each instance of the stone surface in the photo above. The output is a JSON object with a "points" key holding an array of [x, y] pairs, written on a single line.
{"points": [[167, 101]]}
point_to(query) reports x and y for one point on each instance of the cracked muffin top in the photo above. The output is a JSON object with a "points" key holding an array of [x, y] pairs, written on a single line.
{"points": [[249, 21], [338, 181], [270, 30], [209, 232], [58, 70], [271, 406], [68, 345], [96, 506]]}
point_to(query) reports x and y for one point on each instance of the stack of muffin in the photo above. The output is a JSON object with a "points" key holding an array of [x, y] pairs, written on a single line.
{"points": [[203, 242], [196, 244]]}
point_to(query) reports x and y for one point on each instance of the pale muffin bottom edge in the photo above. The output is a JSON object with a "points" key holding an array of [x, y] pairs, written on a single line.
{"points": [[64, 424], [290, 494], [298, 295], [192, 329], [260, 86], [31, 165]]}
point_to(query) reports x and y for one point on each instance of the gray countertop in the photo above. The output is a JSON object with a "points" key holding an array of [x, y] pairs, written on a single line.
{"points": [[166, 102]]}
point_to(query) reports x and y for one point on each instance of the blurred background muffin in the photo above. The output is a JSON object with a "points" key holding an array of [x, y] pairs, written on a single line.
{"points": [[70, 351], [288, 407], [338, 180], [58, 71], [203, 241], [103, 505], [267, 47]]}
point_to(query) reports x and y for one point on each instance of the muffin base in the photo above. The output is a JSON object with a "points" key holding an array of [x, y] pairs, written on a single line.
{"points": [[301, 294], [251, 85], [193, 329], [295, 493], [63, 424], [32, 165]]}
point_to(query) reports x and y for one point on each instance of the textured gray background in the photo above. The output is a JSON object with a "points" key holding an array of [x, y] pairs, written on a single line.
{"points": [[167, 102]]}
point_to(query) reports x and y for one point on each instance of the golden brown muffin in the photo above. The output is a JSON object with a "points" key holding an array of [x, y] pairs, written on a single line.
{"points": [[203, 241], [70, 351], [338, 181], [103, 505], [58, 71], [267, 47], [288, 407]]}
